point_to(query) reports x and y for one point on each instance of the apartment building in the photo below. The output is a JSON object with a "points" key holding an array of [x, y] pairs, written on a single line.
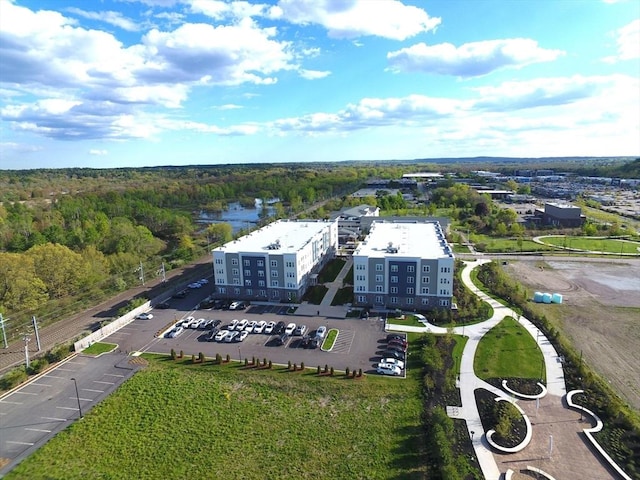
{"points": [[403, 266], [275, 263]]}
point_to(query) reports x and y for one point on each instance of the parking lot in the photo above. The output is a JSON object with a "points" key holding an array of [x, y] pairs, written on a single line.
{"points": [[357, 346]]}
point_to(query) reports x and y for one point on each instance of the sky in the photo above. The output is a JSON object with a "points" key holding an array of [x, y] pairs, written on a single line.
{"points": [[132, 83]]}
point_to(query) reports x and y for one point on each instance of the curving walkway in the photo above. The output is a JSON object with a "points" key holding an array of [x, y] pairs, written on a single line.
{"points": [[557, 443]]}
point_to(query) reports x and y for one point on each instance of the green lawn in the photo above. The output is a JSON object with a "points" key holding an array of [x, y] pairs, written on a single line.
{"points": [[498, 244], [332, 334], [610, 245], [331, 270], [343, 295], [98, 348], [508, 351], [177, 421], [315, 294]]}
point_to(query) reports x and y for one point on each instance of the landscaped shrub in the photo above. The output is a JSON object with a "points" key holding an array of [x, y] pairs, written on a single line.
{"points": [[37, 366], [181, 354], [218, 358], [269, 363], [193, 358], [264, 361], [326, 368], [228, 358], [354, 373], [346, 372], [289, 365], [319, 370], [13, 378], [294, 367], [331, 372], [246, 361], [201, 357], [359, 372], [301, 365], [173, 354], [59, 353]]}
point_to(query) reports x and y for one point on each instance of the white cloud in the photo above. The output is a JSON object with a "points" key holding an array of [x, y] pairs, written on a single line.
{"points": [[229, 106], [470, 59], [313, 74], [97, 152], [110, 17], [628, 43], [354, 18]]}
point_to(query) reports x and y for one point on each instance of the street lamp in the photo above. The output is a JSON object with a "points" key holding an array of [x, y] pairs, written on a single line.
{"points": [[472, 434], [77, 396], [240, 354]]}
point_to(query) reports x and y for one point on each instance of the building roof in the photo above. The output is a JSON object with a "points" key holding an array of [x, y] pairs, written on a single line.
{"points": [[423, 240], [278, 237]]}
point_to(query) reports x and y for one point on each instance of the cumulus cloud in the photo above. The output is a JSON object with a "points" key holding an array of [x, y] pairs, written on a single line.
{"points": [[470, 59], [100, 153], [313, 74], [628, 43], [110, 17], [355, 18]]}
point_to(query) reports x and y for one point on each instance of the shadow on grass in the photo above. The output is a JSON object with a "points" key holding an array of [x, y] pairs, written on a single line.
{"points": [[409, 455]]}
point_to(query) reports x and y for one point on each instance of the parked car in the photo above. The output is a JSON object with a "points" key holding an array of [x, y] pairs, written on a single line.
{"points": [[396, 348], [299, 330], [144, 316], [279, 328], [238, 305], [175, 332], [281, 339], [220, 336], [304, 342], [393, 354], [194, 285], [250, 326], [260, 326], [393, 361], [315, 342], [241, 336], [203, 281], [231, 336], [268, 329], [186, 322], [388, 369], [233, 324], [400, 343], [321, 332], [290, 328], [241, 324], [216, 323], [211, 336], [206, 303], [395, 336], [163, 305]]}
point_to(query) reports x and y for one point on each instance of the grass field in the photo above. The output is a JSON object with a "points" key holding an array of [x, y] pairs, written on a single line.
{"points": [[331, 270], [98, 348], [508, 351], [174, 420], [496, 245], [610, 245]]}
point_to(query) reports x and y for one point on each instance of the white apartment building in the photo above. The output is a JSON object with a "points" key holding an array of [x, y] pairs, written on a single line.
{"points": [[403, 266], [275, 263]]}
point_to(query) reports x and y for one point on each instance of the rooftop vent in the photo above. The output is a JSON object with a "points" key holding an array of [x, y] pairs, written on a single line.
{"points": [[274, 246], [391, 248]]}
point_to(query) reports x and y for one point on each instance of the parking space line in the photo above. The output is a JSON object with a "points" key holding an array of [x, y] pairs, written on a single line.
{"points": [[38, 430], [64, 370], [105, 383], [56, 377], [91, 390], [54, 419], [68, 408], [113, 375], [19, 443], [12, 403], [26, 393], [41, 384], [80, 398]]}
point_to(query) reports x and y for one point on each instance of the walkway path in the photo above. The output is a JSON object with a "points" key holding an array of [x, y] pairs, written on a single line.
{"points": [[556, 445], [325, 309]]}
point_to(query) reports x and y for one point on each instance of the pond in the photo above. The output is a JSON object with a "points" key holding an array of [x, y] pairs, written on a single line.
{"points": [[236, 215]]}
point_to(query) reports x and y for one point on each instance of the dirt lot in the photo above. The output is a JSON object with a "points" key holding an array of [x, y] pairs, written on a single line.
{"points": [[600, 312]]}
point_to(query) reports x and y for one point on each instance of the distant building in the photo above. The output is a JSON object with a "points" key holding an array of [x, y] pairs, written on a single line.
{"points": [[560, 215], [405, 266], [275, 263], [349, 222]]}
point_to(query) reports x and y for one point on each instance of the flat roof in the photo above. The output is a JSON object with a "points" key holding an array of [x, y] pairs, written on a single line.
{"points": [[289, 236], [410, 239]]}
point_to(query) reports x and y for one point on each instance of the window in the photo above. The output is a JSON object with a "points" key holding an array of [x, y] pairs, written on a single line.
{"points": [[379, 288], [247, 273], [261, 283], [411, 268], [291, 275], [425, 269], [234, 261], [445, 280], [379, 267], [236, 281], [261, 263], [290, 264], [424, 290], [274, 263], [236, 291], [247, 263], [222, 289], [444, 303], [274, 283], [410, 279], [393, 300], [379, 278], [409, 301], [425, 279], [263, 293], [218, 261], [220, 271], [361, 288], [394, 268], [394, 290], [249, 291], [409, 290], [291, 285], [445, 269], [425, 301], [362, 299], [394, 279], [379, 299], [275, 294], [261, 273], [360, 278], [235, 272], [360, 267], [247, 283], [274, 273]]}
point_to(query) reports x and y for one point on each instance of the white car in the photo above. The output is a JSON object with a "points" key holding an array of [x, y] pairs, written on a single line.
{"points": [[250, 326], [260, 326], [144, 316], [175, 332], [231, 337], [388, 369], [392, 361], [321, 332], [203, 281], [290, 328], [241, 336], [220, 336], [186, 323], [233, 324], [268, 329], [194, 285], [241, 324]]}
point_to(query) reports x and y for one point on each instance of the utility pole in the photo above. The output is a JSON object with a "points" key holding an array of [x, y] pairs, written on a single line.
{"points": [[4, 332], [162, 272], [35, 329], [26, 339], [140, 269]]}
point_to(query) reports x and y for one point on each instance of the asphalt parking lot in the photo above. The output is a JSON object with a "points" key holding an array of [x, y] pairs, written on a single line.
{"points": [[355, 347]]}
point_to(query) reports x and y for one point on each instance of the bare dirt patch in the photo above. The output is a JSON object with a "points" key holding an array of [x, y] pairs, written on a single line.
{"points": [[600, 313]]}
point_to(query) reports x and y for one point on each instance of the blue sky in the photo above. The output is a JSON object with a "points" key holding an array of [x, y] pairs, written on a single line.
{"points": [[117, 83]]}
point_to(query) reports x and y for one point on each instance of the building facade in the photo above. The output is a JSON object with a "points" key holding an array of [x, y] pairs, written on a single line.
{"points": [[560, 215], [404, 266], [275, 263]]}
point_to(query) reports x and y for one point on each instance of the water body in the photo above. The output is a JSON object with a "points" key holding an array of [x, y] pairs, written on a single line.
{"points": [[237, 216]]}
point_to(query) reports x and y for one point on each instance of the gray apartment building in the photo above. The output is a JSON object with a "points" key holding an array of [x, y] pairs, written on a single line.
{"points": [[403, 266], [276, 263]]}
